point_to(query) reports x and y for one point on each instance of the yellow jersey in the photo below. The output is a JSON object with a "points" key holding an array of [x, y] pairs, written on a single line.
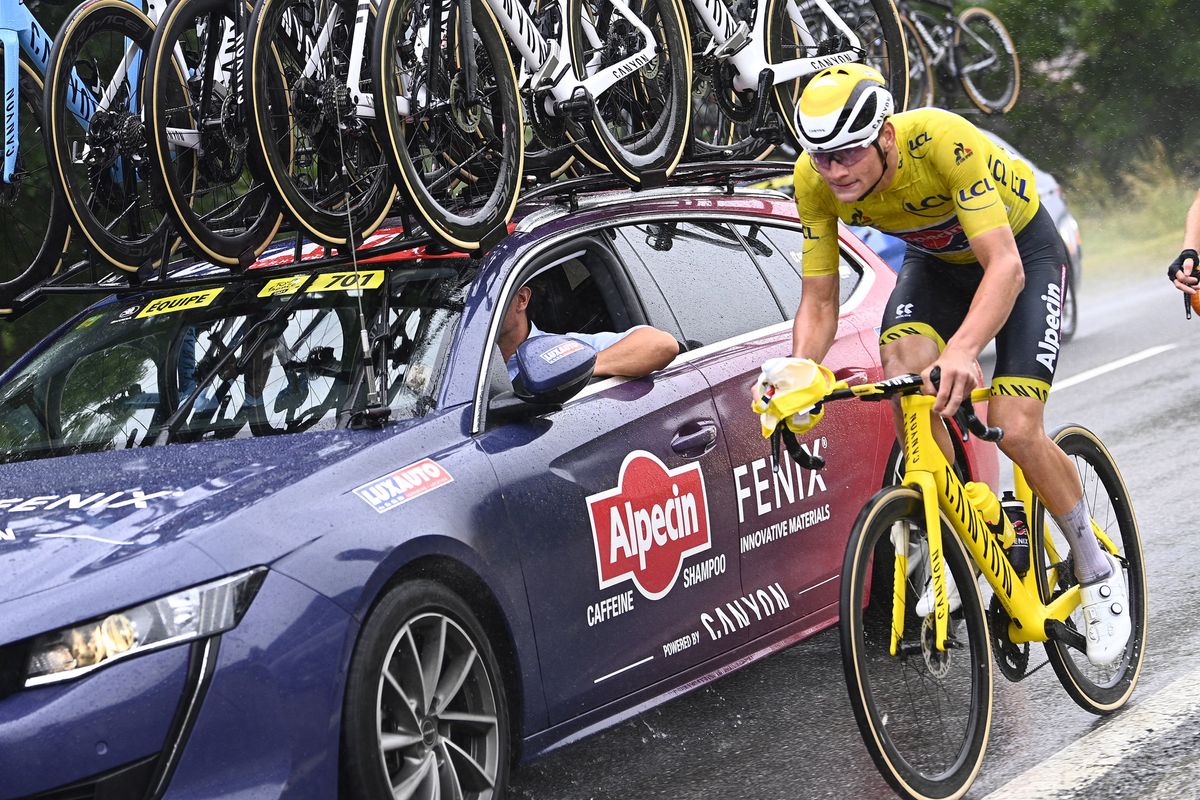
{"points": [[951, 183]]}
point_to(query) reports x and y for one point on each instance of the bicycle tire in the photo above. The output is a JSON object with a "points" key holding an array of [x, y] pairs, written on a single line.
{"points": [[922, 80], [331, 175], [465, 205], [231, 215], [997, 95], [722, 118], [120, 185], [878, 27], [35, 234], [1095, 689], [641, 122], [892, 712]]}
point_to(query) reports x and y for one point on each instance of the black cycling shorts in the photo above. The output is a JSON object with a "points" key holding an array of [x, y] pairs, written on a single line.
{"points": [[932, 297]]}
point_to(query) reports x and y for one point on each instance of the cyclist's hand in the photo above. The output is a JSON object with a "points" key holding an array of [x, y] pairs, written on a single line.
{"points": [[1184, 272], [958, 379], [790, 389]]}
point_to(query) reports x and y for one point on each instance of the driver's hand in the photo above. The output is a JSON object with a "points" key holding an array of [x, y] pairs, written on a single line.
{"points": [[958, 379]]}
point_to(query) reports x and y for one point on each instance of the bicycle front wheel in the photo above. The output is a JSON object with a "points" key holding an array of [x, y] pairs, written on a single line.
{"points": [[1100, 690], [924, 714], [450, 117], [230, 215], [97, 136], [33, 217], [986, 60], [640, 123], [307, 123], [876, 24]]}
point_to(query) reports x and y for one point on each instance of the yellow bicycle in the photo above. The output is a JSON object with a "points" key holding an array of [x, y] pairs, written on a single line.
{"points": [[921, 686]]}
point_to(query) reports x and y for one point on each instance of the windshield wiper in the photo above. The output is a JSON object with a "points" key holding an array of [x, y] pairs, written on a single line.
{"points": [[260, 329]]}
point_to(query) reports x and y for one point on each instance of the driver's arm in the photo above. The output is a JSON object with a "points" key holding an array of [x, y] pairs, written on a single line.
{"points": [[643, 350]]}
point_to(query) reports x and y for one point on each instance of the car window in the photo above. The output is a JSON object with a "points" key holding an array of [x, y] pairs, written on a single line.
{"points": [[572, 296], [713, 286], [786, 265], [255, 357]]}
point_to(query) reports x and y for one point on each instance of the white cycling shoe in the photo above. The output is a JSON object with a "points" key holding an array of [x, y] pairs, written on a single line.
{"points": [[1105, 606], [925, 605]]}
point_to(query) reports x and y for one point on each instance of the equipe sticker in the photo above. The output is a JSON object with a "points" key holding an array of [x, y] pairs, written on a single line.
{"points": [[345, 281], [180, 302], [397, 488], [649, 523]]}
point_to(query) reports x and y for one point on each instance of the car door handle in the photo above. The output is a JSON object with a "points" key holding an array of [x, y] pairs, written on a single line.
{"points": [[695, 439]]}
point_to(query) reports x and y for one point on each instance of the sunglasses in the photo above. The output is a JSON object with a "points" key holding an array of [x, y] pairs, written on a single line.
{"points": [[847, 157]]}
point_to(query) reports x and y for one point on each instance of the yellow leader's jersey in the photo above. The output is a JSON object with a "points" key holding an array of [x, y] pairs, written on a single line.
{"points": [[951, 183]]}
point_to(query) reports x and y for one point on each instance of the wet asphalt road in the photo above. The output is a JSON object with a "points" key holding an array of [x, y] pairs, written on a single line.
{"points": [[782, 729]]}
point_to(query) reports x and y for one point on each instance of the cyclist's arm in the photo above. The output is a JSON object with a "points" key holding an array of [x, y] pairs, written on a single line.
{"points": [[815, 326], [1184, 281], [1191, 230], [1003, 279]]}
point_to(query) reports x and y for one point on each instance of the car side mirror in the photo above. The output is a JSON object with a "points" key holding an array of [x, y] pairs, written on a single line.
{"points": [[551, 369]]}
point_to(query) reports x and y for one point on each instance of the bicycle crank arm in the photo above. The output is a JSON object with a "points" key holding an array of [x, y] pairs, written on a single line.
{"points": [[1058, 631]]}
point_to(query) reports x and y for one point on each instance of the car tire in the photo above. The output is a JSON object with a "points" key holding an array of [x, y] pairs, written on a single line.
{"points": [[425, 706], [1070, 309]]}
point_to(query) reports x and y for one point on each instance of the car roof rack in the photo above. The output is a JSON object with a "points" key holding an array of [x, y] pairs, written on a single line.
{"points": [[92, 276], [729, 174]]}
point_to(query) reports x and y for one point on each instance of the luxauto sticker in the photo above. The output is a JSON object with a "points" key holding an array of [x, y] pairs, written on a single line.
{"points": [[646, 526], [562, 351], [761, 490], [407, 483]]}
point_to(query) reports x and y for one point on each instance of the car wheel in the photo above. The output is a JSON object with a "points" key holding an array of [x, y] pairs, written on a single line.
{"points": [[1070, 311], [425, 713]]}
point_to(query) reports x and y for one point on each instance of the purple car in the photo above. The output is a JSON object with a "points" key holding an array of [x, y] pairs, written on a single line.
{"points": [[239, 559]]}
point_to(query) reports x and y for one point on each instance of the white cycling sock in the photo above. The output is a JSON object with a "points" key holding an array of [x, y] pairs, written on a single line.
{"points": [[1090, 563]]}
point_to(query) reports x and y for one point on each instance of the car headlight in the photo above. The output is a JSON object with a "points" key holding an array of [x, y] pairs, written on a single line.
{"points": [[183, 616]]}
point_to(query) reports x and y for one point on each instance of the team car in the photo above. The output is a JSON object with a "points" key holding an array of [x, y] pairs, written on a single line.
{"points": [[295, 533]]}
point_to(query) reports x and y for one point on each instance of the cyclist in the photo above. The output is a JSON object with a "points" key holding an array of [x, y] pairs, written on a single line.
{"points": [[1184, 271], [983, 261]]}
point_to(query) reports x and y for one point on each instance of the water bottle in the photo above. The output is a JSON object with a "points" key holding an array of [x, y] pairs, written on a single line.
{"points": [[1018, 554], [981, 496]]}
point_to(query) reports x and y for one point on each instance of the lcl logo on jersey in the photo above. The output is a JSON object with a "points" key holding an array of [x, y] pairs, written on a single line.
{"points": [[645, 527]]}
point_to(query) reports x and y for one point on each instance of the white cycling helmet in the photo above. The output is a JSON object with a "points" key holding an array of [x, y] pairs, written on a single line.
{"points": [[842, 106]]}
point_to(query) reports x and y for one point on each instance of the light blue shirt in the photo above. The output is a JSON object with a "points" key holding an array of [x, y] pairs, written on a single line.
{"points": [[596, 341]]}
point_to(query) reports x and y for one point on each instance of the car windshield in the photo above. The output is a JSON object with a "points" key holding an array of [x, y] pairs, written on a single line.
{"points": [[249, 358]]}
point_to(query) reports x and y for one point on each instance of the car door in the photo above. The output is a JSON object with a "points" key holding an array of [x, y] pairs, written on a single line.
{"points": [[626, 523], [737, 301]]}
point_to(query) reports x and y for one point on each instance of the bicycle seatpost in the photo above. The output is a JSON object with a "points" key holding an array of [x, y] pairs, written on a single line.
{"points": [[965, 416]]}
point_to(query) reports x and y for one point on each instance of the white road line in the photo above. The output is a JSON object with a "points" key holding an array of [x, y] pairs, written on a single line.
{"points": [[1084, 761], [1110, 366], [622, 669]]}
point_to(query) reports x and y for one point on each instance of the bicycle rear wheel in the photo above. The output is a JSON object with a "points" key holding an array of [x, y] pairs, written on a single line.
{"points": [[327, 166], [1100, 690], [722, 116], [231, 215], [877, 25], [924, 714], [986, 60], [922, 80], [98, 155], [640, 123], [458, 146], [33, 215]]}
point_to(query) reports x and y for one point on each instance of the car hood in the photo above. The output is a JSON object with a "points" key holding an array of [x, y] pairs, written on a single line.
{"points": [[144, 512]]}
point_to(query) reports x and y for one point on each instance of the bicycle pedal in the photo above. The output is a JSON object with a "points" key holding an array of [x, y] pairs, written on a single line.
{"points": [[772, 134], [578, 106]]}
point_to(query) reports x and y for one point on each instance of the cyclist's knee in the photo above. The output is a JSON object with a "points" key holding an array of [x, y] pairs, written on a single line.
{"points": [[1021, 420], [907, 354]]}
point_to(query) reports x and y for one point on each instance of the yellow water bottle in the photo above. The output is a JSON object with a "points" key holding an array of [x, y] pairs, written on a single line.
{"points": [[981, 496]]}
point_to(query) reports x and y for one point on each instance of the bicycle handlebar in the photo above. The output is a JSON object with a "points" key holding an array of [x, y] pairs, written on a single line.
{"points": [[965, 416]]}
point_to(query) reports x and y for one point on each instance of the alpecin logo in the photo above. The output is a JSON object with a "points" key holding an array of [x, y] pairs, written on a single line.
{"points": [[645, 527]]}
